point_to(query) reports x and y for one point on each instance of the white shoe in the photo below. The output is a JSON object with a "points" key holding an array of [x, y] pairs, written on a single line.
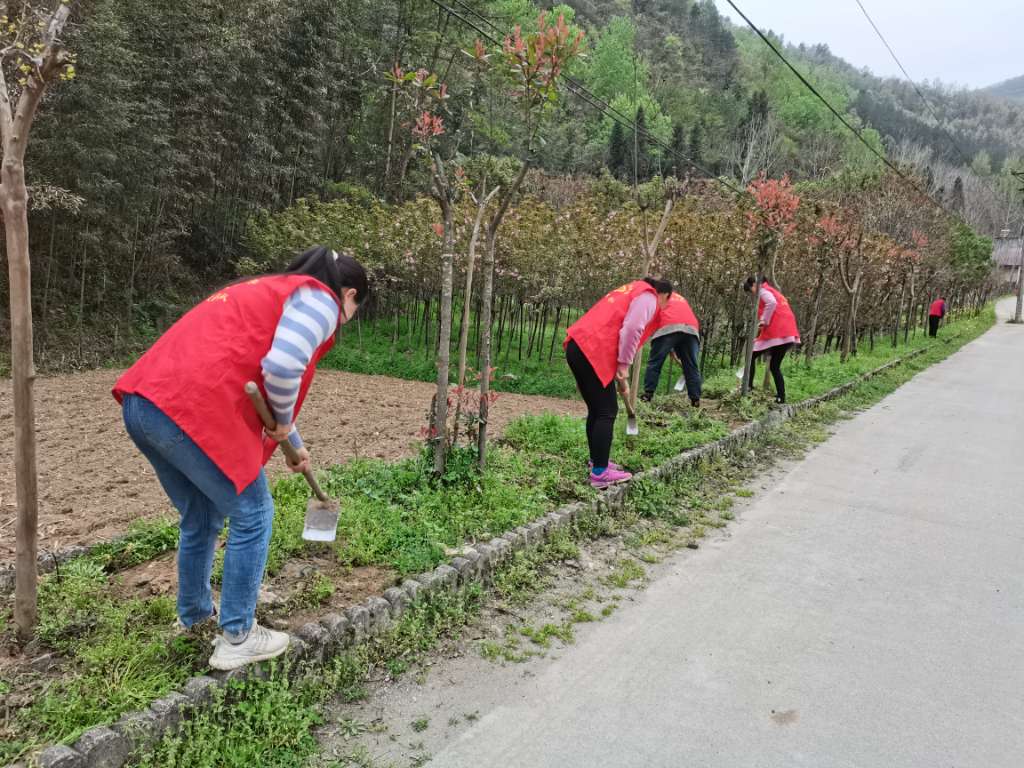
{"points": [[261, 644]]}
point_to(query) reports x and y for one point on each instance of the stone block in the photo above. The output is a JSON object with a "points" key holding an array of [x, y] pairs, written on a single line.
{"points": [[60, 756], [141, 728], [464, 568], [298, 651], [380, 615], [338, 632], [103, 748], [448, 576], [359, 621], [430, 582], [476, 561], [170, 710], [399, 601], [529, 535], [315, 638], [200, 690], [412, 588]]}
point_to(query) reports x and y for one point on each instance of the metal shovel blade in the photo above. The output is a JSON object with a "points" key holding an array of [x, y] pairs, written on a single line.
{"points": [[321, 521], [681, 385], [632, 428]]}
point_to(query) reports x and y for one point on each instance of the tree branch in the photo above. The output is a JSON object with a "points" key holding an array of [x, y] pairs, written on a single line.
{"points": [[506, 201]]}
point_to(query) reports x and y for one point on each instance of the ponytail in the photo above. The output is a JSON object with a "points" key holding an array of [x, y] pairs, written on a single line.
{"points": [[337, 271]]}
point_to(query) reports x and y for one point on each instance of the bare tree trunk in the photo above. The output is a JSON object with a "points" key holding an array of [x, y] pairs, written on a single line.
{"points": [[14, 201], [443, 195], [14, 130], [1017, 315], [812, 336], [852, 288], [467, 303], [486, 301], [748, 355], [650, 251], [482, 204]]}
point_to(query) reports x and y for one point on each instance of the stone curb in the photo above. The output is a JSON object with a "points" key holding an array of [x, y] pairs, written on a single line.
{"points": [[317, 642]]}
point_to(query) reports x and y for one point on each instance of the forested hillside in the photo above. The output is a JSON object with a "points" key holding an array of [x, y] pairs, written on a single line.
{"points": [[1009, 89], [193, 127]]}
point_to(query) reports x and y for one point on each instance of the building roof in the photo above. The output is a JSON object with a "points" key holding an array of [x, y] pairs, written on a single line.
{"points": [[1007, 252]]}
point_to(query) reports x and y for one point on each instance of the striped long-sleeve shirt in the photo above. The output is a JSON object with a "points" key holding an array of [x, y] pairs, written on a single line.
{"points": [[310, 317]]}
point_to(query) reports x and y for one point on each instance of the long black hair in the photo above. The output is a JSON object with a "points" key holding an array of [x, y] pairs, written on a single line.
{"points": [[659, 285], [751, 281], [336, 271]]}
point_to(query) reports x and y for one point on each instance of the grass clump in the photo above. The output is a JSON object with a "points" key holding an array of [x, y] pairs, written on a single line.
{"points": [[126, 649], [144, 540], [625, 573]]}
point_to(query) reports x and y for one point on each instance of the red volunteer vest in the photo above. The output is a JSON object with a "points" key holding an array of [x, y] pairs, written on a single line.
{"points": [[937, 308], [597, 332], [783, 323], [196, 372], [676, 312]]}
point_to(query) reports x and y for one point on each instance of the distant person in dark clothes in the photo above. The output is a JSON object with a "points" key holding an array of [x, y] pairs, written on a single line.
{"points": [[777, 334], [677, 332], [935, 315]]}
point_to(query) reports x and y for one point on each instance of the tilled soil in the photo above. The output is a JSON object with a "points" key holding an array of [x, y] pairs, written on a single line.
{"points": [[94, 482]]}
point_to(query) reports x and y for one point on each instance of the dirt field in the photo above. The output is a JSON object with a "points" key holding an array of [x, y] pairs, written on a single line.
{"points": [[94, 482]]}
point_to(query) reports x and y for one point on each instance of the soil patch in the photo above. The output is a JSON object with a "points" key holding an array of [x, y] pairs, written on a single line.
{"points": [[94, 482]]}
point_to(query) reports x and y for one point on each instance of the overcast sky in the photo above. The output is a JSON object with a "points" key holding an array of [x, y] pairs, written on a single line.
{"points": [[972, 43]]}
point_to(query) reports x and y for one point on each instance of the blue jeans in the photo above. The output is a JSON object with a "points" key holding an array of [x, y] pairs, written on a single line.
{"points": [[205, 498], [687, 348]]}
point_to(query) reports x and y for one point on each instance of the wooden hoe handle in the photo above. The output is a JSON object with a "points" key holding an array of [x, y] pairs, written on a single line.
{"points": [[256, 397]]}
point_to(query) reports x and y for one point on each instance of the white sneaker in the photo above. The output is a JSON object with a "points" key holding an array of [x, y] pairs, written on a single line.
{"points": [[260, 645]]}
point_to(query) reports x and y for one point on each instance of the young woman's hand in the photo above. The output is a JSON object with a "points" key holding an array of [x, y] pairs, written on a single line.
{"points": [[279, 433], [622, 373], [303, 465]]}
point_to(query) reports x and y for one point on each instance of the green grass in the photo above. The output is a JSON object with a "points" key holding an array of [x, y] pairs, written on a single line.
{"points": [[270, 722], [144, 540], [121, 655], [625, 573], [542, 636], [372, 349]]}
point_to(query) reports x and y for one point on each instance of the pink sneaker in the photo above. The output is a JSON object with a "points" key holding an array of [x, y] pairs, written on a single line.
{"points": [[609, 478], [611, 465]]}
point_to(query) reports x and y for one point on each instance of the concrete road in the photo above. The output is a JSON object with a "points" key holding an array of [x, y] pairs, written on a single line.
{"points": [[867, 611]]}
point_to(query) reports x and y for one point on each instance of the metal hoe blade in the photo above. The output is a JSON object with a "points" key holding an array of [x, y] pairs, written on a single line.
{"points": [[681, 385], [632, 428], [321, 521]]}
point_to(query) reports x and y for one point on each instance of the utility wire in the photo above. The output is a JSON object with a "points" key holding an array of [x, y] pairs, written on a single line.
{"points": [[581, 92], [927, 102], [892, 166]]}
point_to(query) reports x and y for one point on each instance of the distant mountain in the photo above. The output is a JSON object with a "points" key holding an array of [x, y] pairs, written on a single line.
{"points": [[1012, 89]]}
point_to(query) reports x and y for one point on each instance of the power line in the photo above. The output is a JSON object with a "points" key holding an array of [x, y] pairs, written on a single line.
{"points": [[587, 96], [892, 166]]}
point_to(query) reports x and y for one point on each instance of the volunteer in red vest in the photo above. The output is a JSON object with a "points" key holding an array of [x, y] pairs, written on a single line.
{"points": [[185, 407], [677, 332], [936, 312], [599, 348], [777, 332]]}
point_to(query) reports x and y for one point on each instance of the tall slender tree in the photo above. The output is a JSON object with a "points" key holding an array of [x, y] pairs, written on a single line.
{"points": [[31, 59]]}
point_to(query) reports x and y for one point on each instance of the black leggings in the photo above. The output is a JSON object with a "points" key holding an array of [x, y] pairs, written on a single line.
{"points": [[602, 404], [775, 366]]}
